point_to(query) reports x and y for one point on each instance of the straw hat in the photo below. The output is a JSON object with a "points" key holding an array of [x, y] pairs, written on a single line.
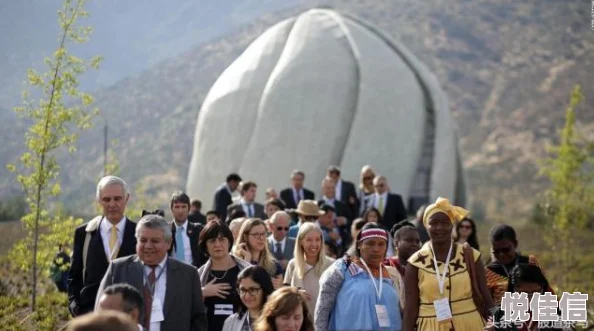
{"points": [[308, 208]]}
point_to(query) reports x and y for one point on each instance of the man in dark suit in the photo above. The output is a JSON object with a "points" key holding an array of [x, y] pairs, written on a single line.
{"points": [[172, 292], [345, 190], [390, 205], [279, 243], [292, 195], [222, 197], [247, 203], [344, 215], [185, 234], [195, 215], [99, 241]]}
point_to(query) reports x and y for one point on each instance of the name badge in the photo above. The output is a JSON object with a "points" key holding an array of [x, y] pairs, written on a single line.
{"points": [[382, 316], [157, 311], [442, 310], [223, 309]]}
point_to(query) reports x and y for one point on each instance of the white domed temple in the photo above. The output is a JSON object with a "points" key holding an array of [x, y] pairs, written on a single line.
{"points": [[327, 88]]}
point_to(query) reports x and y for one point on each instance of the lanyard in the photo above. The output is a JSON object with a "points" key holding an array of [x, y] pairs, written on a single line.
{"points": [[377, 291], [153, 285], [505, 268], [441, 278]]}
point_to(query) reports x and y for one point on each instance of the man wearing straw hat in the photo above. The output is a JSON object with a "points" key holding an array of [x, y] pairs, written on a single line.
{"points": [[308, 211]]}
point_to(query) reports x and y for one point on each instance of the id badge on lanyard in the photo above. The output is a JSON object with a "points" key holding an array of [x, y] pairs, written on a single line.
{"points": [[383, 319], [443, 313]]}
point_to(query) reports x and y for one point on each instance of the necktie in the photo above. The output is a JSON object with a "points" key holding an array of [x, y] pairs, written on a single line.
{"points": [[179, 242], [298, 195], [250, 212], [279, 251], [113, 240], [380, 205], [148, 296]]}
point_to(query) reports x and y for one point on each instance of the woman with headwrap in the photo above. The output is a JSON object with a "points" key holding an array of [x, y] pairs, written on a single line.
{"points": [[441, 287], [358, 292]]}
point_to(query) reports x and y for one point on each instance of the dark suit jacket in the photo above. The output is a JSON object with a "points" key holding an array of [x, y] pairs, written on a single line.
{"points": [[197, 217], [341, 209], [193, 231], [222, 200], [258, 210], [289, 247], [394, 211], [81, 295], [348, 191], [287, 196], [183, 308]]}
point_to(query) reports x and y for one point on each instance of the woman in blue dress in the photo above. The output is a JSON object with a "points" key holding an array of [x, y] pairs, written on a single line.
{"points": [[358, 292]]}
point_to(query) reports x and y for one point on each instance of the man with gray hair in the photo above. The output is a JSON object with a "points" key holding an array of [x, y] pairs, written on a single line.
{"points": [[98, 242], [171, 289], [279, 243]]}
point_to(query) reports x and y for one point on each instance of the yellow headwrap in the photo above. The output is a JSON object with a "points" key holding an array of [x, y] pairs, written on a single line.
{"points": [[443, 205]]}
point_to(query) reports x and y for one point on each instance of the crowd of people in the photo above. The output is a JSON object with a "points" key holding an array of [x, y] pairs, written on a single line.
{"points": [[349, 260]]}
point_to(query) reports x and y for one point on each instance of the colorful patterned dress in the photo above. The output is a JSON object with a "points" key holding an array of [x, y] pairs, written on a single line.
{"points": [[458, 289]]}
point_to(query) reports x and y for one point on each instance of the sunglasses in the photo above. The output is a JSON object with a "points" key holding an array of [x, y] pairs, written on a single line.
{"points": [[501, 250], [280, 228]]}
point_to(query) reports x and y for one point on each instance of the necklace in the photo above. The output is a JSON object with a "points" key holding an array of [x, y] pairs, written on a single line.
{"points": [[224, 274]]}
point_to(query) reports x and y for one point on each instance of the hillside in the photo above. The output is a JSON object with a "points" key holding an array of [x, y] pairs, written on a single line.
{"points": [[507, 66]]}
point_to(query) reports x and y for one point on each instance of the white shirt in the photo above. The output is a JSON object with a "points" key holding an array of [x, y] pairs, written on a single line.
{"points": [[245, 205], [105, 229], [376, 199], [329, 201], [298, 193], [282, 242], [187, 246], [338, 190], [160, 288]]}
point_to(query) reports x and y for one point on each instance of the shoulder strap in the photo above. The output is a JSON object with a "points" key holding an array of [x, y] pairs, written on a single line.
{"points": [[85, 252]]}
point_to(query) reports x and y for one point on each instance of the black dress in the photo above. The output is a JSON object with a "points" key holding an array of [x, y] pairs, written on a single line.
{"points": [[218, 309]]}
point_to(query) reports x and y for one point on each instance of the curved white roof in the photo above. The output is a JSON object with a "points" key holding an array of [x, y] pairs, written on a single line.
{"points": [[326, 88]]}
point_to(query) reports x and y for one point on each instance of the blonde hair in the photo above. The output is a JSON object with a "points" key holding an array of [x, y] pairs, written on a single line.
{"points": [[299, 253], [280, 303], [366, 170], [267, 261]]}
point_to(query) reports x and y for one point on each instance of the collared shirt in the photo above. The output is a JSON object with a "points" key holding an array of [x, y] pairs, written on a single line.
{"points": [[105, 229], [338, 189], [376, 198], [282, 242], [187, 246], [160, 288], [298, 194], [329, 201], [248, 208]]}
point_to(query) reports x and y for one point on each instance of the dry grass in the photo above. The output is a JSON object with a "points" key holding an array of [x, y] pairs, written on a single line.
{"points": [[11, 232]]}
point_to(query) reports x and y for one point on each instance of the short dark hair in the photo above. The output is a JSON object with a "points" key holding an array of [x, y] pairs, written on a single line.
{"points": [[214, 229], [197, 203], [179, 197], [213, 212], [259, 275], [327, 208], [233, 178], [526, 273], [277, 202], [400, 227], [235, 213], [333, 169], [131, 297], [297, 172], [501, 232], [247, 185], [359, 223]]}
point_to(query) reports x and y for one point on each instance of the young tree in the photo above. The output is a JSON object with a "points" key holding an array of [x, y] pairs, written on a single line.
{"points": [[567, 211], [57, 110]]}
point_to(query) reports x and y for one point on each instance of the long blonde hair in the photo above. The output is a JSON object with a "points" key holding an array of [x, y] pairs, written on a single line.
{"points": [[299, 253], [364, 171], [267, 261]]}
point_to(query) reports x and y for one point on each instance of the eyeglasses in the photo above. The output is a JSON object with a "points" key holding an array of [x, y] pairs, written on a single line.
{"points": [[501, 250], [253, 291], [258, 235], [280, 228]]}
